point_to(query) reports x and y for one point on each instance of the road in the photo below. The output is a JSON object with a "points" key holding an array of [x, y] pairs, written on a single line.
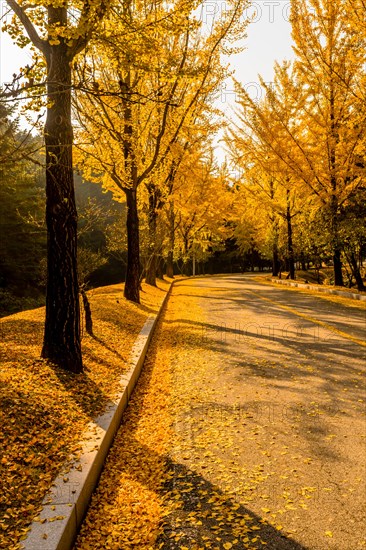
{"points": [[277, 420], [267, 403]]}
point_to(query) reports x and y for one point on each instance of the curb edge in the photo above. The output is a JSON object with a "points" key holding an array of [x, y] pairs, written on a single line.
{"points": [[350, 295]]}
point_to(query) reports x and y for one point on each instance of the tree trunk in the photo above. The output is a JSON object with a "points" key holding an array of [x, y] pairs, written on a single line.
{"points": [[275, 261], [337, 262], [61, 343], [360, 253], [356, 272], [274, 222], [87, 310], [169, 265], [160, 268], [275, 257], [132, 284], [290, 248], [150, 278], [151, 267], [170, 258]]}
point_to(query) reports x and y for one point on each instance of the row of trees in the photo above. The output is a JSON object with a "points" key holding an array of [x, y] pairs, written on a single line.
{"points": [[130, 100], [137, 80], [185, 225], [301, 149]]}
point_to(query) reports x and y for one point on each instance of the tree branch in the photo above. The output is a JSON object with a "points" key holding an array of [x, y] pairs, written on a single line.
{"points": [[86, 15], [28, 25]]}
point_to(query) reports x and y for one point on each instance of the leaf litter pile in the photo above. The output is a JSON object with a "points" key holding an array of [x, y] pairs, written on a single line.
{"points": [[44, 410], [200, 461]]}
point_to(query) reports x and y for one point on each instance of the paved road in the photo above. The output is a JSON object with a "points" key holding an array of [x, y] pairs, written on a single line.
{"points": [[270, 429], [247, 429]]}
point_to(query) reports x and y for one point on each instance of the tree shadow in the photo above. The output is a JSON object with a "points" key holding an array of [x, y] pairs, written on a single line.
{"points": [[208, 516], [314, 424], [349, 319], [201, 511], [109, 348], [37, 436]]}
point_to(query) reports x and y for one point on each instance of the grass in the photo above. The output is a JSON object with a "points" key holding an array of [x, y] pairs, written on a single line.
{"points": [[44, 409]]}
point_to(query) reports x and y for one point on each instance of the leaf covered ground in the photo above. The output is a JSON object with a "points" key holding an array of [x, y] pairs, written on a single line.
{"points": [[44, 410]]}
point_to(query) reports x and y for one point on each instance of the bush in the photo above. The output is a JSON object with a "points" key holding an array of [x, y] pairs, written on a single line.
{"points": [[10, 303]]}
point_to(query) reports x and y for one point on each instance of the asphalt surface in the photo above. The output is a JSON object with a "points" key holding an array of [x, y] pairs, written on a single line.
{"points": [[270, 427]]}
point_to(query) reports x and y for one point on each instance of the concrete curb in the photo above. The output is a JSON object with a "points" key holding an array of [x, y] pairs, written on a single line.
{"points": [[65, 506], [351, 295]]}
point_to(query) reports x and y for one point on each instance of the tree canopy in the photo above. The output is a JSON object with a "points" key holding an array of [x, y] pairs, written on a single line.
{"points": [[130, 92]]}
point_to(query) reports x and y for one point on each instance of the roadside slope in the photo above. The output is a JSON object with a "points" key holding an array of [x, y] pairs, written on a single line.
{"points": [[44, 410]]}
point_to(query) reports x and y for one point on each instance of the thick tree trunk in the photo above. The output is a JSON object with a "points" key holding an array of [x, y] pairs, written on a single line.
{"points": [[170, 265], [337, 263], [275, 261], [132, 284], [61, 343], [290, 247], [151, 267], [160, 268]]}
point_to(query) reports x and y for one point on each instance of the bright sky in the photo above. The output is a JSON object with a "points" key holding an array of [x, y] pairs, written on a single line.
{"points": [[268, 40]]}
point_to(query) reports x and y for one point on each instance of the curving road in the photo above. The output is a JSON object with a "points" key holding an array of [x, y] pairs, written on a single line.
{"points": [[270, 426], [247, 429]]}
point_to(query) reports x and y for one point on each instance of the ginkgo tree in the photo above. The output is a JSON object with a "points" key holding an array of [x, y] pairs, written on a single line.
{"points": [[328, 54], [157, 64], [356, 14], [59, 31], [123, 124], [311, 121], [198, 209], [265, 175], [196, 135]]}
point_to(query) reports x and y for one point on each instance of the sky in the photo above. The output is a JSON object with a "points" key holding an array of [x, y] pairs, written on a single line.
{"points": [[269, 39]]}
